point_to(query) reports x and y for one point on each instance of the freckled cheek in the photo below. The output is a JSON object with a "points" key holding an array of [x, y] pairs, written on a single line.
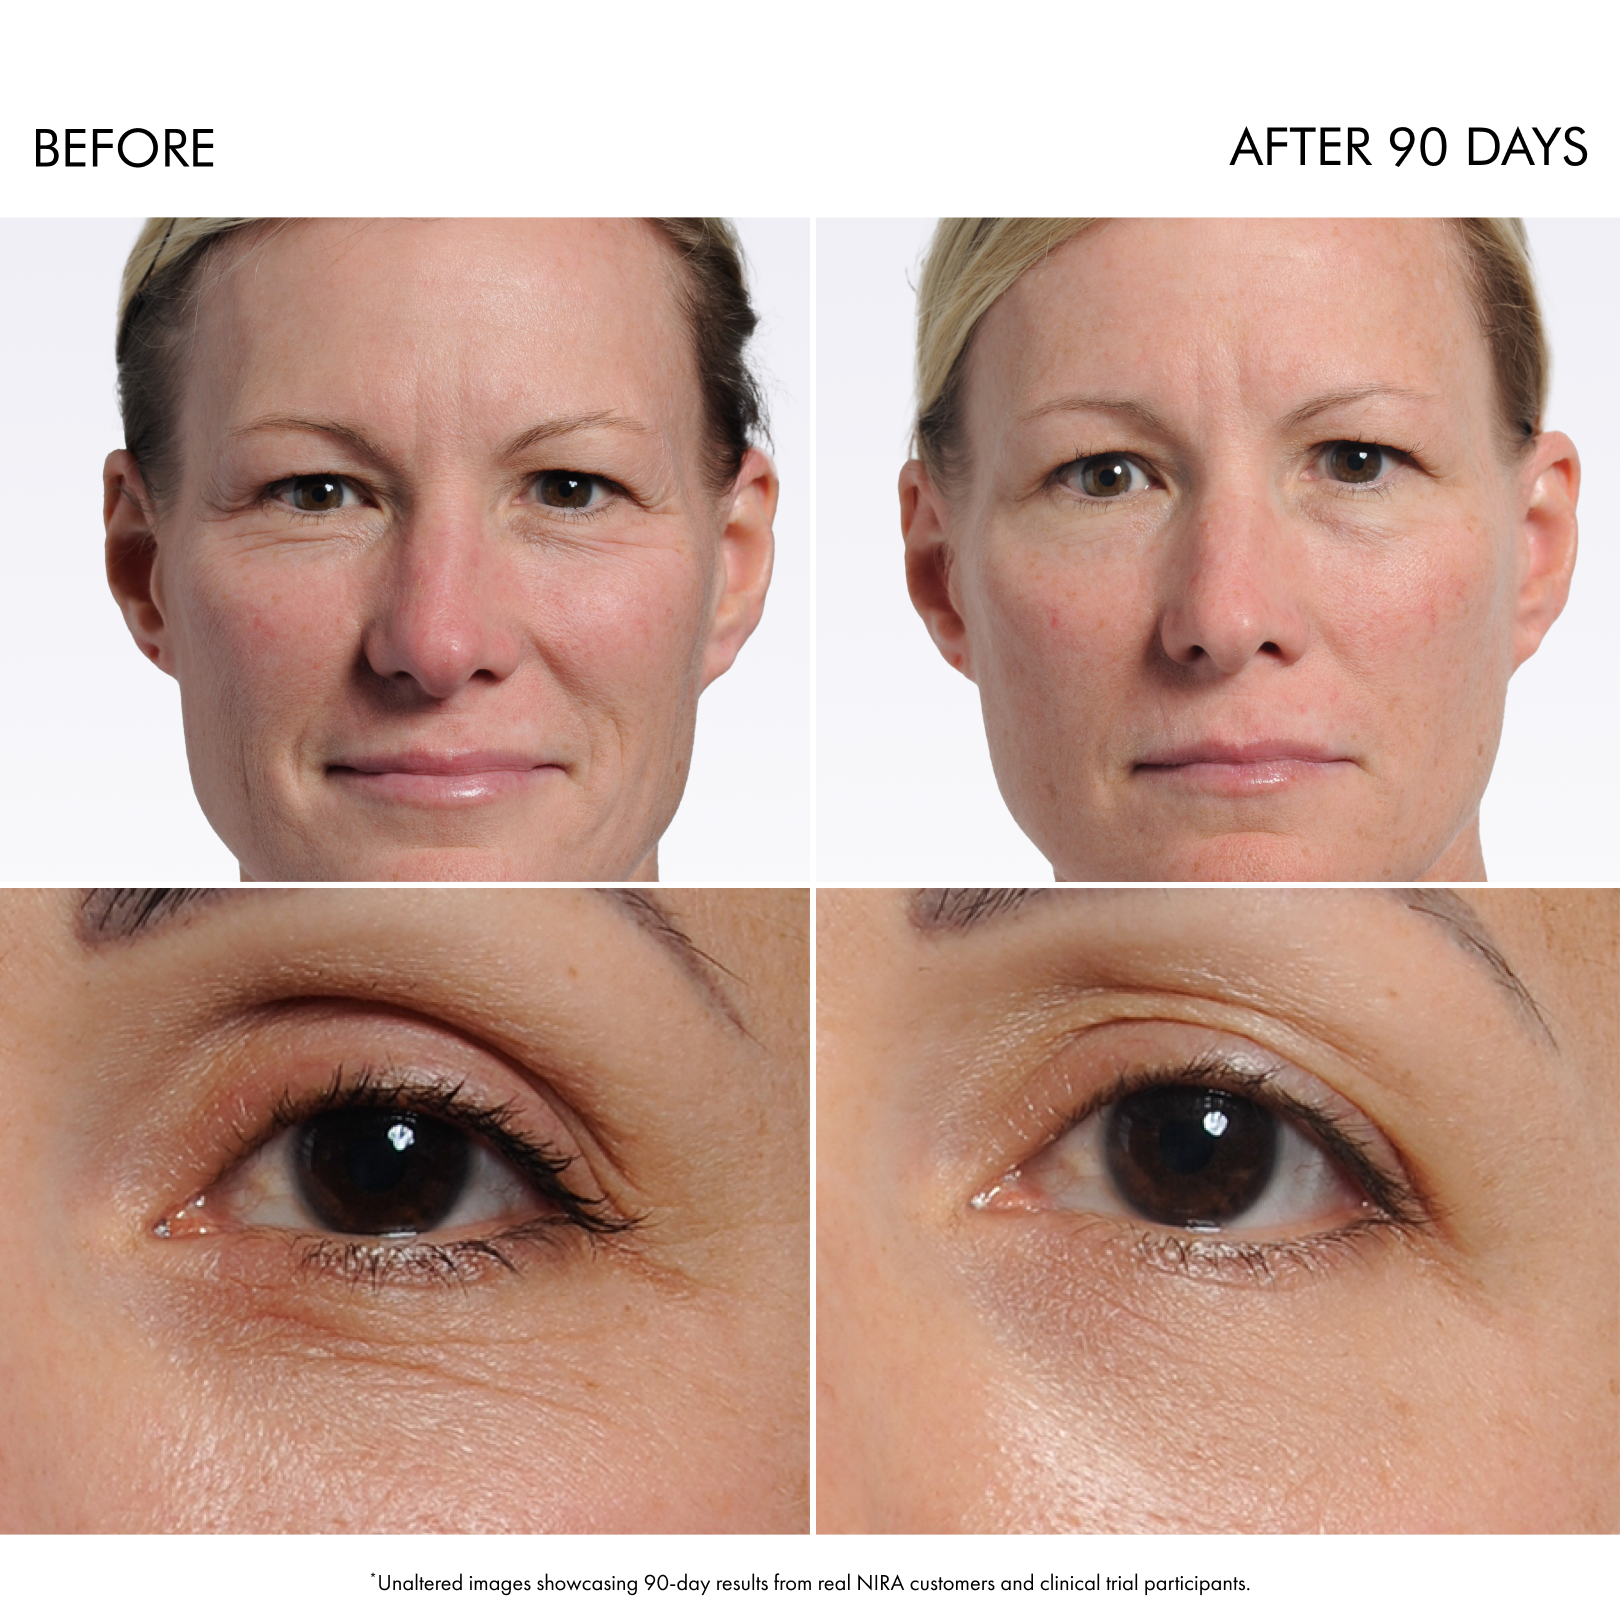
{"points": [[1061, 621], [263, 641], [637, 627]]}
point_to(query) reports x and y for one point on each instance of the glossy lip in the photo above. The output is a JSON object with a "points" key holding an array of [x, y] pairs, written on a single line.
{"points": [[435, 781], [1266, 766]]}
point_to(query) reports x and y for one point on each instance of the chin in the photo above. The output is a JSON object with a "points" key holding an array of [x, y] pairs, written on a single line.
{"points": [[1247, 857]]}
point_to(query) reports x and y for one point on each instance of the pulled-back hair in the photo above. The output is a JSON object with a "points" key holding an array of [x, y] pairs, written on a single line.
{"points": [[167, 273], [972, 262]]}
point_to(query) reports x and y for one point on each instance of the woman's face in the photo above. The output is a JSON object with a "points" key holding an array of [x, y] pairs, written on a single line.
{"points": [[441, 577], [483, 1212], [1238, 558], [1218, 1211]]}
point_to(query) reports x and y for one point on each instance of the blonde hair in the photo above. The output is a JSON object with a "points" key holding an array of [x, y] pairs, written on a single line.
{"points": [[163, 281], [972, 262]]}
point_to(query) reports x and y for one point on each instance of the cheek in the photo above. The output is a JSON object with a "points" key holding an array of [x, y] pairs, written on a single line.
{"points": [[255, 641], [623, 626], [1430, 634], [1049, 626]]}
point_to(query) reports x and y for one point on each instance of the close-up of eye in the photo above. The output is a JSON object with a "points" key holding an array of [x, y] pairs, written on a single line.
{"points": [[396, 1161], [1105, 477], [1209, 1149], [571, 491], [319, 492], [1351, 462]]}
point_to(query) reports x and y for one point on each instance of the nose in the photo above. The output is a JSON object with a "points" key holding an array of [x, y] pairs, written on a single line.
{"points": [[442, 618], [1235, 590]]}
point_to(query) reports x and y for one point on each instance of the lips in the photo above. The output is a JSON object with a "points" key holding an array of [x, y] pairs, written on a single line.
{"points": [[1260, 766], [443, 780]]}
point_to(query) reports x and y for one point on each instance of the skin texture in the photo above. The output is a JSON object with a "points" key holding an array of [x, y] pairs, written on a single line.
{"points": [[1020, 1365], [225, 1380], [445, 612], [1355, 640]]}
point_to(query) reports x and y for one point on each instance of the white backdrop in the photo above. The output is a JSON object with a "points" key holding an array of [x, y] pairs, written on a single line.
{"points": [[99, 790], [905, 786]]}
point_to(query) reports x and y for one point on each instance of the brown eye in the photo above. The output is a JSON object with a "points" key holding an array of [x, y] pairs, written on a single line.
{"points": [[1358, 463], [1184, 1156], [319, 493], [1106, 476], [571, 491]]}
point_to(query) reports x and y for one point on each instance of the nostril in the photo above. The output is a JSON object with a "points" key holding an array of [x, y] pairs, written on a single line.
{"points": [[1271, 647]]}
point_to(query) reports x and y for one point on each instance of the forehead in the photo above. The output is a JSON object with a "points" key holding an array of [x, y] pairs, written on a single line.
{"points": [[1271, 309], [359, 318]]}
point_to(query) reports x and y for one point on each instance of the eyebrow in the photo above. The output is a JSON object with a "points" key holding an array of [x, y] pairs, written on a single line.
{"points": [[116, 916], [956, 911], [1349, 396], [706, 972], [345, 433], [558, 427], [1071, 403]]}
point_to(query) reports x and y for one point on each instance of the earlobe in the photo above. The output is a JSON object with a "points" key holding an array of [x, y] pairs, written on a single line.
{"points": [[928, 565], [747, 551], [1552, 484], [127, 514]]}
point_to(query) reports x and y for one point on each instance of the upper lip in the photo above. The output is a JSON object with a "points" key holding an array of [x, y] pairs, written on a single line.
{"points": [[1245, 753], [426, 762]]}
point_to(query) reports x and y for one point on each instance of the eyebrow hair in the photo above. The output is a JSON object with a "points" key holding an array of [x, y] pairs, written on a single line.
{"points": [[1135, 408], [1348, 396], [707, 973], [1465, 926], [948, 911], [107, 916], [557, 426], [344, 432]]}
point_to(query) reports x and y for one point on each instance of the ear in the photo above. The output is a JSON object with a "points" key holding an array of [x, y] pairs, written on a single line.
{"points": [[1551, 483], [747, 550], [130, 520], [928, 565]]}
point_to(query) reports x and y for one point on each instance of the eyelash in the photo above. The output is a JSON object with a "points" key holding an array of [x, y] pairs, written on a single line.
{"points": [[462, 1260], [1398, 1210]]}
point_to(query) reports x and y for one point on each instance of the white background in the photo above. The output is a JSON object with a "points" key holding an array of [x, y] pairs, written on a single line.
{"points": [[906, 790], [101, 792]]}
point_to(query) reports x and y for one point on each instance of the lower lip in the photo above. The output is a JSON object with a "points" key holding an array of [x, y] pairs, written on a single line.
{"points": [[1240, 778], [444, 792]]}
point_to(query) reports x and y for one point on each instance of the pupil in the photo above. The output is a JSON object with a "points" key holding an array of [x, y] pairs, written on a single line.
{"points": [[1356, 463], [1185, 1156], [381, 1172], [567, 489], [1106, 477], [320, 493]]}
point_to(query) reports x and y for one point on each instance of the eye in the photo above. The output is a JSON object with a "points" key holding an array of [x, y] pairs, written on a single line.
{"points": [[1210, 1150], [1105, 477], [395, 1161], [1348, 462], [318, 492], [571, 491]]}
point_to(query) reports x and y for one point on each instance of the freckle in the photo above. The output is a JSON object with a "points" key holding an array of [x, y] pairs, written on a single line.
{"points": [[573, 973]]}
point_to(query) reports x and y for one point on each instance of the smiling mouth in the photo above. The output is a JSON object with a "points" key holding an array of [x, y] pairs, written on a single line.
{"points": [[1241, 768], [437, 781]]}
